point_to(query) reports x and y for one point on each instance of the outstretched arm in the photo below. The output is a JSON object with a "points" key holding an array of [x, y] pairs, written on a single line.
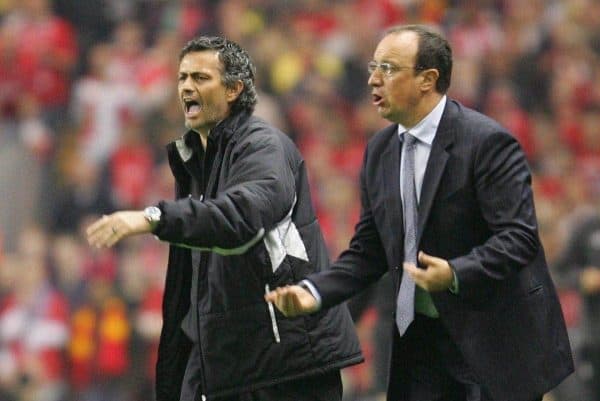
{"points": [[112, 228]]}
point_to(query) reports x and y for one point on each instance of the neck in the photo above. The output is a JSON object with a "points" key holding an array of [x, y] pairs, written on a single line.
{"points": [[203, 137], [422, 109]]}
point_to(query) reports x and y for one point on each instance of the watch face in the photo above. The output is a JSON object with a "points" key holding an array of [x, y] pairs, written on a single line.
{"points": [[153, 213]]}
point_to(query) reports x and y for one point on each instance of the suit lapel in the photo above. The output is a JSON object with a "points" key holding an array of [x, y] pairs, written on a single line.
{"points": [[391, 180], [436, 164]]}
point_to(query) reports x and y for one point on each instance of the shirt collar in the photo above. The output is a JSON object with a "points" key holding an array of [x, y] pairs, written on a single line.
{"points": [[425, 129]]}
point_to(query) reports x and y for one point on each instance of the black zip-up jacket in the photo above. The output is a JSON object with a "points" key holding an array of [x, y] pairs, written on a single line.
{"points": [[254, 230]]}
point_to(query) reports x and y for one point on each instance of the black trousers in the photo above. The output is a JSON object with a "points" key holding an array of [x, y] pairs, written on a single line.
{"points": [[324, 387], [427, 366]]}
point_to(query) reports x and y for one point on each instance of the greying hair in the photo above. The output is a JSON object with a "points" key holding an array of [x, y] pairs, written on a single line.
{"points": [[434, 52], [237, 66]]}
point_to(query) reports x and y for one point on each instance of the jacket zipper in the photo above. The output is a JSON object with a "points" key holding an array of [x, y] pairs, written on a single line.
{"points": [[202, 396], [205, 189], [273, 320]]}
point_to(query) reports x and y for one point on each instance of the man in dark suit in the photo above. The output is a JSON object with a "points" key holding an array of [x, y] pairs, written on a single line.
{"points": [[447, 206]]}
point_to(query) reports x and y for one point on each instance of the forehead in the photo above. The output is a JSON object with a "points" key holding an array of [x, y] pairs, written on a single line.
{"points": [[204, 60], [399, 47]]}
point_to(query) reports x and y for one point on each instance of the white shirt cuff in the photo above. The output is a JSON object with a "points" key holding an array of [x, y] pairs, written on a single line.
{"points": [[313, 291]]}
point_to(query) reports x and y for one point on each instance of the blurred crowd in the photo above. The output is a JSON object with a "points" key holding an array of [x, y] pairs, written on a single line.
{"points": [[88, 101]]}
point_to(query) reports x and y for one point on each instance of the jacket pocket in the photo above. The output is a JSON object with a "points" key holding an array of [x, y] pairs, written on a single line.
{"points": [[239, 349]]}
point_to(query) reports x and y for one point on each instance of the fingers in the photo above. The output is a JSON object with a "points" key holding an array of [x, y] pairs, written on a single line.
{"points": [[113, 237], [289, 303], [436, 274], [426, 259], [418, 275], [282, 299], [105, 232], [271, 296], [292, 300], [96, 226], [97, 233]]}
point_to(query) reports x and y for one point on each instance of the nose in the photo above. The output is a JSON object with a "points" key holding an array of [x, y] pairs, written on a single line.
{"points": [[185, 84], [375, 79]]}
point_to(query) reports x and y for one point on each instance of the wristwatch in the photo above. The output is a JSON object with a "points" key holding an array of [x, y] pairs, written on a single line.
{"points": [[152, 214]]}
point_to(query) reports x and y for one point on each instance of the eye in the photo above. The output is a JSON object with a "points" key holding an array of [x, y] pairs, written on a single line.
{"points": [[200, 77], [386, 68], [372, 66]]}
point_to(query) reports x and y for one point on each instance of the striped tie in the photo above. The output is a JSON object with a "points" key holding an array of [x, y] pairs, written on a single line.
{"points": [[405, 304]]}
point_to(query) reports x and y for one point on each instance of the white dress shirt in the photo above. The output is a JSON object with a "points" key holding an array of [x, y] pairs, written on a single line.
{"points": [[424, 131]]}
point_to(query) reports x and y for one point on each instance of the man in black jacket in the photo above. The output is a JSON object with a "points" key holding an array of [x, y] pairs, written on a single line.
{"points": [[243, 223], [447, 208], [579, 267]]}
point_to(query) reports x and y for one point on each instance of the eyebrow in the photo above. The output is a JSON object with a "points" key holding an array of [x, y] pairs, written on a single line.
{"points": [[194, 73], [385, 60]]}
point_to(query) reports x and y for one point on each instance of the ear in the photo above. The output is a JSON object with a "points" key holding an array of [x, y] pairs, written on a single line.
{"points": [[233, 92], [430, 77]]}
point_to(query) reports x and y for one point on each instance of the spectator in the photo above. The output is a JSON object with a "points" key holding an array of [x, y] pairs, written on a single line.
{"points": [[46, 48], [579, 267], [33, 326]]}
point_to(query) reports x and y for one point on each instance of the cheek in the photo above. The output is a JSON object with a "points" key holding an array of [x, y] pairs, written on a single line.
{"points": [[397, 96], [223, 103], [401, 93], [216, 107], [179, 96]]}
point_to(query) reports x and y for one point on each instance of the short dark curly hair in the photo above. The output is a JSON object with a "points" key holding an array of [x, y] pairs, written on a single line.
{"points": [[237, 66]]}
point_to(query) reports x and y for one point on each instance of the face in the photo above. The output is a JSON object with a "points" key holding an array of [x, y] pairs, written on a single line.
{"points": [[397, 94], [204, 98]]}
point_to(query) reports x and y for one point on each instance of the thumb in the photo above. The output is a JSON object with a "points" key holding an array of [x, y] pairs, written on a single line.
{"points": [[426, 259]]}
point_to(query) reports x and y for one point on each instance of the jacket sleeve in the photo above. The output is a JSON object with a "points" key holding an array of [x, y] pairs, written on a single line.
{"points": [[361, 264], [259, 192], [503, 188]]}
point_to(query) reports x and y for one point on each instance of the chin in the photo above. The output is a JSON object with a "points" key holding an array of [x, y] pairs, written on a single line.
{"points": [[191, 125], [383, 114]]}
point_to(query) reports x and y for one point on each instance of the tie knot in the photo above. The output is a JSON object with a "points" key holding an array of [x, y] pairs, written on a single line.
{"points": [[409, 139]]}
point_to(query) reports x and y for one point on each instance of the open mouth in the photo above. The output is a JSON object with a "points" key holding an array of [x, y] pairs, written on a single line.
{"points": [[191, 107], [377, 99]]}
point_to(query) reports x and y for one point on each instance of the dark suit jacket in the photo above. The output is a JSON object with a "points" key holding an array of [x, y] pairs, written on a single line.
{"points": [[476, 210]]}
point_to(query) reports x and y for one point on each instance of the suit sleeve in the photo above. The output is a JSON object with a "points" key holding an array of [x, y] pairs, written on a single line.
{"points": [[361, 264], [503, 187], [258, 194]]}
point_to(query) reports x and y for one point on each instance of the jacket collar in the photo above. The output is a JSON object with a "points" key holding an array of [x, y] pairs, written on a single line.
{"points": [[436, 164], [223, 131]]}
